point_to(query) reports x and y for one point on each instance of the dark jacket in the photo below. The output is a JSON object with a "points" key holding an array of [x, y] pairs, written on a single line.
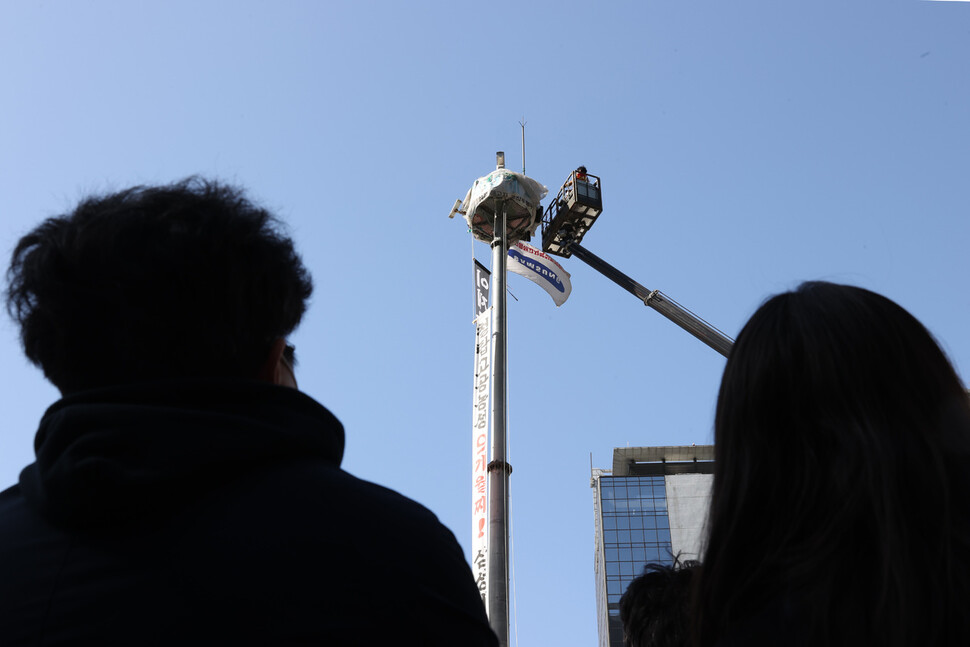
{"points": [[216, 512]]}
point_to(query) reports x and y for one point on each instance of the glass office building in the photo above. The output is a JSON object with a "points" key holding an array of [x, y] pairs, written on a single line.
{"points": [[650, 507]]}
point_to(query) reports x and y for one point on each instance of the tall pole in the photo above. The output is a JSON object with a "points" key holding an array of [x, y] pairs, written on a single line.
{"points": [[498, 468]]}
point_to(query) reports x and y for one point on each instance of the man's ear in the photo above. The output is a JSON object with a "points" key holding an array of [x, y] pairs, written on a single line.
{"points": [[271, 370]]}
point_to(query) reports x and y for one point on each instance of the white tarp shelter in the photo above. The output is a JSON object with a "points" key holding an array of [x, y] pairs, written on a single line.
{"points": [[520, 195]]}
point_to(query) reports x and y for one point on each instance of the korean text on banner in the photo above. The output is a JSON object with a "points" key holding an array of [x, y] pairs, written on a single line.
{"points": [[480, 409], [482, 279], [541, 268]]}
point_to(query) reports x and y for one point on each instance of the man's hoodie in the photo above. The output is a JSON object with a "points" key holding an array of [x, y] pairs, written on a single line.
{"points": [[206, 511]]}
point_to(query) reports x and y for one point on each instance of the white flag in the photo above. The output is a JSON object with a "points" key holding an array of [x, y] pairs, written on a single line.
{"points": [[535, 265]]}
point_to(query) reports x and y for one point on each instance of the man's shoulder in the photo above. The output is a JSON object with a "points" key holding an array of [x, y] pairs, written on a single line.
{"points": [[10, 495], [16, 513], [321, 538], [314, 482], [12, 509], [317, 498]]}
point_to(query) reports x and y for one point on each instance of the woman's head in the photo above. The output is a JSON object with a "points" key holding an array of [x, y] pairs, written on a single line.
{"points": [[828, 354], [841, 429]]}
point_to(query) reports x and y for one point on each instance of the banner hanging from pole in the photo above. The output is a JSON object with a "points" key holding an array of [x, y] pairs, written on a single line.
{"points": [[542, 269], [480, 410], [482, 280]]}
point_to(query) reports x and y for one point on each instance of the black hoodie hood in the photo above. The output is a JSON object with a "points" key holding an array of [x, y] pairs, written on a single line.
{"points": [[107, 456]]}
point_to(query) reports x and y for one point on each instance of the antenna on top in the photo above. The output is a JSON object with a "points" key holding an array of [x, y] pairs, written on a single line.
{"points": [[522, 123]]}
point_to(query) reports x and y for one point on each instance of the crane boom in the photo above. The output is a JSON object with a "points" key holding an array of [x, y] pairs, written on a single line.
{"points": [[656, 300]]}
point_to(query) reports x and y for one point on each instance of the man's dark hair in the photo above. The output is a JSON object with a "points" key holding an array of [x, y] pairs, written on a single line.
{"points": [[189, 279], [654, 609]]}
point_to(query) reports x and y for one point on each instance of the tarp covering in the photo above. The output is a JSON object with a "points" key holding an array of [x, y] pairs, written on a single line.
{"points": [[520, 195]]}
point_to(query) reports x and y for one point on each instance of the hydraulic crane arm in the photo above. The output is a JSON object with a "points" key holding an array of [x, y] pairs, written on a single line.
{"points": [[656, 300]]}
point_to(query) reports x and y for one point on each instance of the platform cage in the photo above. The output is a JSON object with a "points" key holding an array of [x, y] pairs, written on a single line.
{"points": [[575, 209]]}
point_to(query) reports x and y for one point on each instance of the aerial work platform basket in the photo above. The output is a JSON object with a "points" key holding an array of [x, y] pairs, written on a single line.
{"points": [[575, 209]]}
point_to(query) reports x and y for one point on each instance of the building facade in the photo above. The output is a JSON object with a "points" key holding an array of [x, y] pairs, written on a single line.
{"points": [[650, 507]]}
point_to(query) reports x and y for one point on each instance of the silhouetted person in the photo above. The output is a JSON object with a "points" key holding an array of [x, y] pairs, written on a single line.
{"points": [[182, 493], [839, 512], [655, 608], [580, 174]]}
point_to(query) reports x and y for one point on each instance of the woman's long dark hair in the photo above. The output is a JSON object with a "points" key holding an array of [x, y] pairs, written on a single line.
{"points": [[841, 497]]}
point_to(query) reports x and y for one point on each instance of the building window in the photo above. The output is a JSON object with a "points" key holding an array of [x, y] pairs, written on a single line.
{"points": [[636, 529]]}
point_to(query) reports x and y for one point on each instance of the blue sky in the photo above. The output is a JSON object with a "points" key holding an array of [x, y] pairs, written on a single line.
{"points": [[743, 146]]}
